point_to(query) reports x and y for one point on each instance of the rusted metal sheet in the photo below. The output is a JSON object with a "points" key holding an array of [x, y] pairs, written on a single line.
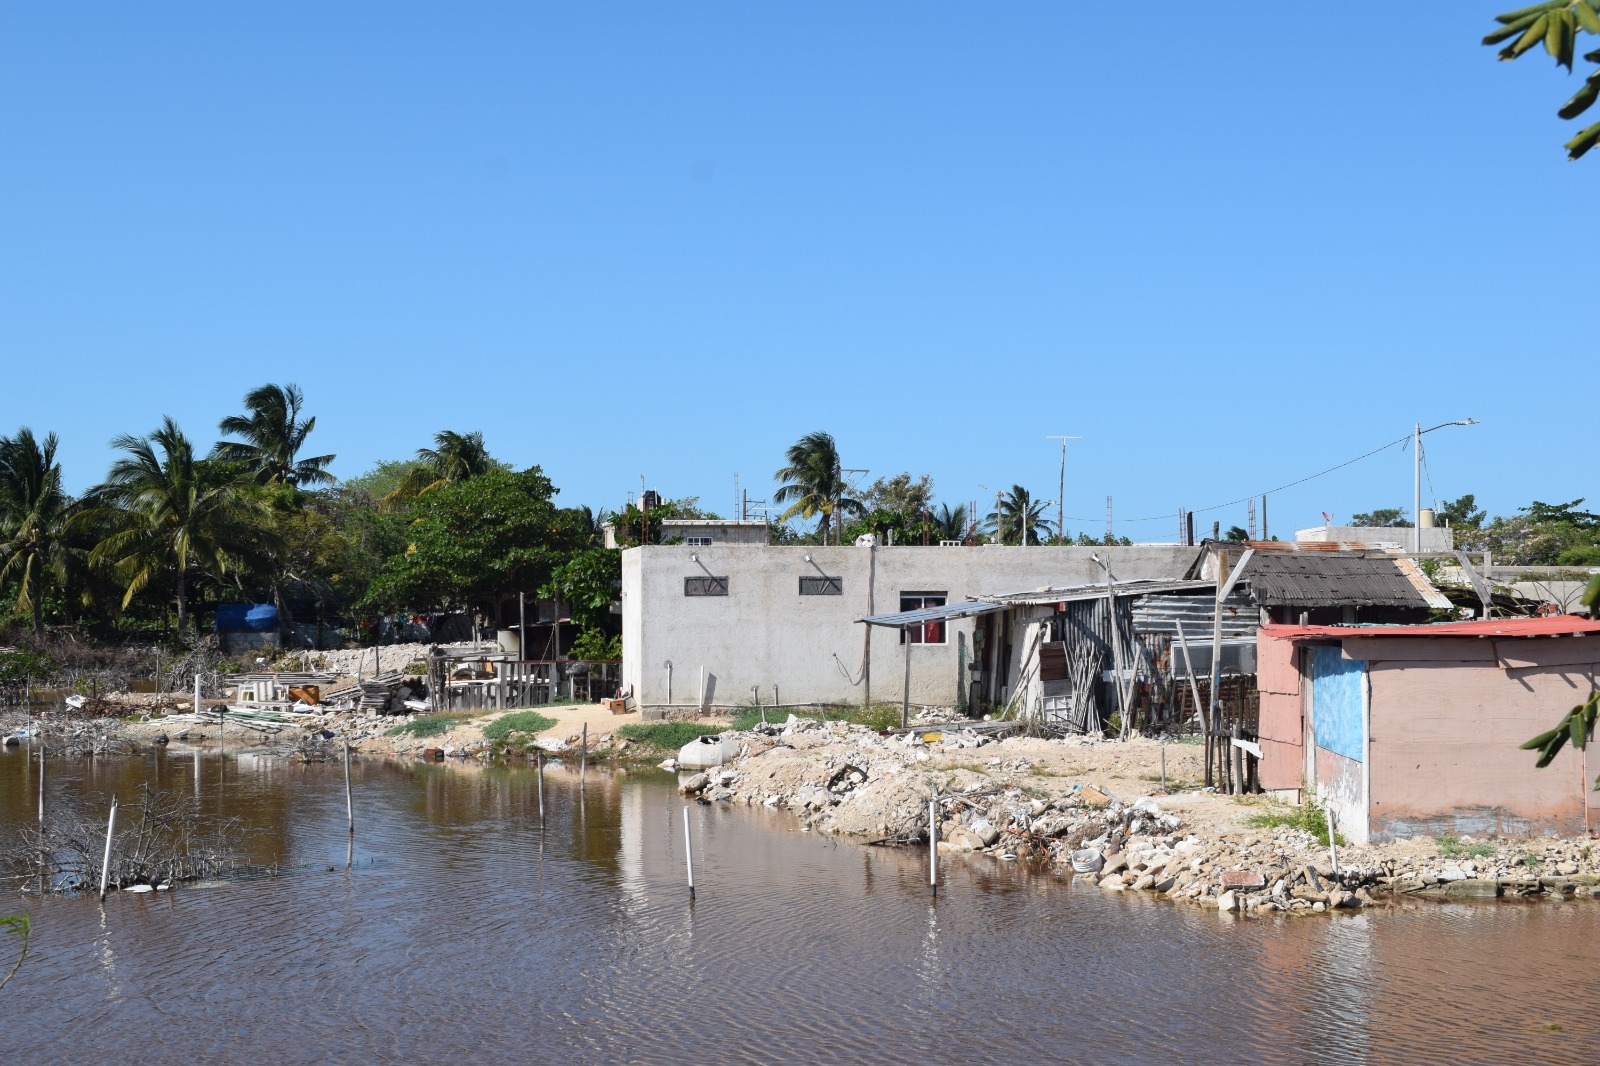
{"points": [[1320, 579]]}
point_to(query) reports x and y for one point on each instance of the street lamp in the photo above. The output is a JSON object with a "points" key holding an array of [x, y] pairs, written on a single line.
{"points": [[1416, 476]]}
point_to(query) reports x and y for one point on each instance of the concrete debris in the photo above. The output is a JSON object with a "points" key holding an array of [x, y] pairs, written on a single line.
{"points": [[1014, 806]]}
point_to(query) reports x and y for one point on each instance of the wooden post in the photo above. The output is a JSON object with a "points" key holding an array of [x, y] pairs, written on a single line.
{"points": [[905, 692], [105, 862], [349, 800], [1215, 709], [688, 850], [583, 764], [1333, 848]]}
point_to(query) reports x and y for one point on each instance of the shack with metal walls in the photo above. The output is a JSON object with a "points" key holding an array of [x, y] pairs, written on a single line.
{"points": [[1410, 731]]}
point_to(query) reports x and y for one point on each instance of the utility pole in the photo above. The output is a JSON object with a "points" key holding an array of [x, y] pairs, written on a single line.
{"points": [[1061, 490], [1417, 433]]}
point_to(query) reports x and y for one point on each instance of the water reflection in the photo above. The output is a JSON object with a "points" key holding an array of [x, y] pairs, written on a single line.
{"points": [[452, 926]]}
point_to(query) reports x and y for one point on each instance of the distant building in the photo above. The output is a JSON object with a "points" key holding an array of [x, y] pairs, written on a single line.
{"points": [[1434, 538], [705, 532]]}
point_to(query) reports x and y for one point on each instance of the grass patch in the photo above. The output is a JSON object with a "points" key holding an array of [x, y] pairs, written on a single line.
{"points": [[1452, 847], [517, 722], [432, 725], [879, 716], [667, 736], [1309, 817]]}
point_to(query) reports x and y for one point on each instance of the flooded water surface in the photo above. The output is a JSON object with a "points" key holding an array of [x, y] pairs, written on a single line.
{"points": [[461, 930]]}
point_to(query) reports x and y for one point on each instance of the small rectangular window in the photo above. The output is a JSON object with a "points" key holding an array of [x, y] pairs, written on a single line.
{"points": [[697, 542], [705, 586], [928, 632], [821, 586]]}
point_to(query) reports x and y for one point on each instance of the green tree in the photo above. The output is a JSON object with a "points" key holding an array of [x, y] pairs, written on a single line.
{"points": [[1018, 518], [174, 511], [1540, 534], [33, 517], [813, 484], [1556, 25], [476, 542], [586, 584], [950, 523], [901, 494], [1382, 517], [274, 433], [454, 457], [1236, 535], [1462, 514]]}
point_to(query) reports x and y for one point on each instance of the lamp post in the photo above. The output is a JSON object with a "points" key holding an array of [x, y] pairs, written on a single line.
{"points": [[1061, 490], [1416, 476]]}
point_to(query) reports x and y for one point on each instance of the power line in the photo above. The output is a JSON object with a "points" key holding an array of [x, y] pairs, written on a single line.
{"points": [[1234, 503]]}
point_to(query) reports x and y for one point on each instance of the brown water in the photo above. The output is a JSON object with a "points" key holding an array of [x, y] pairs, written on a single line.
{"points": [[462, 932]]}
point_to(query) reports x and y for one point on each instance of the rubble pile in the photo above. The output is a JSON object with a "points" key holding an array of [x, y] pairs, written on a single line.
{"points": [[841, 778]]}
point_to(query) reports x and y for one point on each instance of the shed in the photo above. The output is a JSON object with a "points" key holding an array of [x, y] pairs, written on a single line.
{"points": [[1411, 731]]}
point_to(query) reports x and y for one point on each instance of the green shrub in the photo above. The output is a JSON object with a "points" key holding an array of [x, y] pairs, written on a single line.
{"points": [[1452, 847], [1309, 816], [668, 736], [432, 725], [879, 716], [517, 722]]}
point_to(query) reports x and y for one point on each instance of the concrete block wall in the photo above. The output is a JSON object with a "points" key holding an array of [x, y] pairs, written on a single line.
{"points": [[811, 649]]}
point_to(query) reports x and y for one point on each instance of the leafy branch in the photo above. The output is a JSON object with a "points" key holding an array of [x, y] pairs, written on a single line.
{"points": [[1556, 24]]}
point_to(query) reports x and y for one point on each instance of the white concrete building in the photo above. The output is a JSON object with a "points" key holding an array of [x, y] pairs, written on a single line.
{"points": [[711, 626], [1434, 538], [704, 532]]}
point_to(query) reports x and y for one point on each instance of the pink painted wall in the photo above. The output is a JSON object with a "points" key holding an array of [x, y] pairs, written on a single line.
{"points": [[1445, 736], [1281, 731]]}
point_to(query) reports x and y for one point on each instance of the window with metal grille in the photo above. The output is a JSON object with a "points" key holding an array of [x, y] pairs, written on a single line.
{"points": [[705, 586], [928, 632], [697, 542], [821, 586]]}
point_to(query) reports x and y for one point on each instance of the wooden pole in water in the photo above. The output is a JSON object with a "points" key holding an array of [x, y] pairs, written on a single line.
{"points": [[349, 801], [933, 844], [105, 862], [583, 756], [688, 850]]}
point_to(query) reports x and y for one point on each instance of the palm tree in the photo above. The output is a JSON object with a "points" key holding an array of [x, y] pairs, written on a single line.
{"points": [[951, 523], [453, 457], [274, 433], [175, 513], [815, 484], [1018, 518], [33, 517]]}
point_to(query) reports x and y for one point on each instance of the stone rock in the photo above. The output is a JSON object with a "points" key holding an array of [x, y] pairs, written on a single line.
{"points": [[984, 831], [1319, 906], [1473, 888], [1113, 883], [1116, 862], [1144, 882], [695, 784], [1566, 869], [966, 840], [1337, 897], [1228, 901], [1243, 879]]}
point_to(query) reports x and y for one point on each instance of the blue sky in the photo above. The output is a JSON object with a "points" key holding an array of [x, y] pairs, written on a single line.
{"points": [[668, 239]]}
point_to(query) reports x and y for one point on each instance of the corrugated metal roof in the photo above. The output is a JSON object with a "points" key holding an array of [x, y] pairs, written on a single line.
{"points": [[1161, 614], [924, 615], [1073, 593], [1327, 579], [1559, 625]]}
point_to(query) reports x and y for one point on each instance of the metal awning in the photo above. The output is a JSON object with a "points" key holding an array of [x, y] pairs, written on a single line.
{"points": [[1074, 593], [925, 615]]}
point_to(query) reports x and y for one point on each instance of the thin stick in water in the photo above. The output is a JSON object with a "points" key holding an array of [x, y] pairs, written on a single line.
{"points": [[583, 764], [349, 801], [933, 843], [688, 850], [539, 762], [1333, 848], [105, 862]]}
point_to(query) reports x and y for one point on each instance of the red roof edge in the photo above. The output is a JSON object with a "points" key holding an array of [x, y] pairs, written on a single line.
{"points": [[1555, 625]]}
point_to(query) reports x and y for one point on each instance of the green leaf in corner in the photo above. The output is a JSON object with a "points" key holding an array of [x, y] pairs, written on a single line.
{"points": [[1583, 98], [1576, 149], [1530, 37], [1586, 17]]}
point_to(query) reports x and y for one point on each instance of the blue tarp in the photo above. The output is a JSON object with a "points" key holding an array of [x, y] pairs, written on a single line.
{"points": [[246, 617], [1336, 684]]}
